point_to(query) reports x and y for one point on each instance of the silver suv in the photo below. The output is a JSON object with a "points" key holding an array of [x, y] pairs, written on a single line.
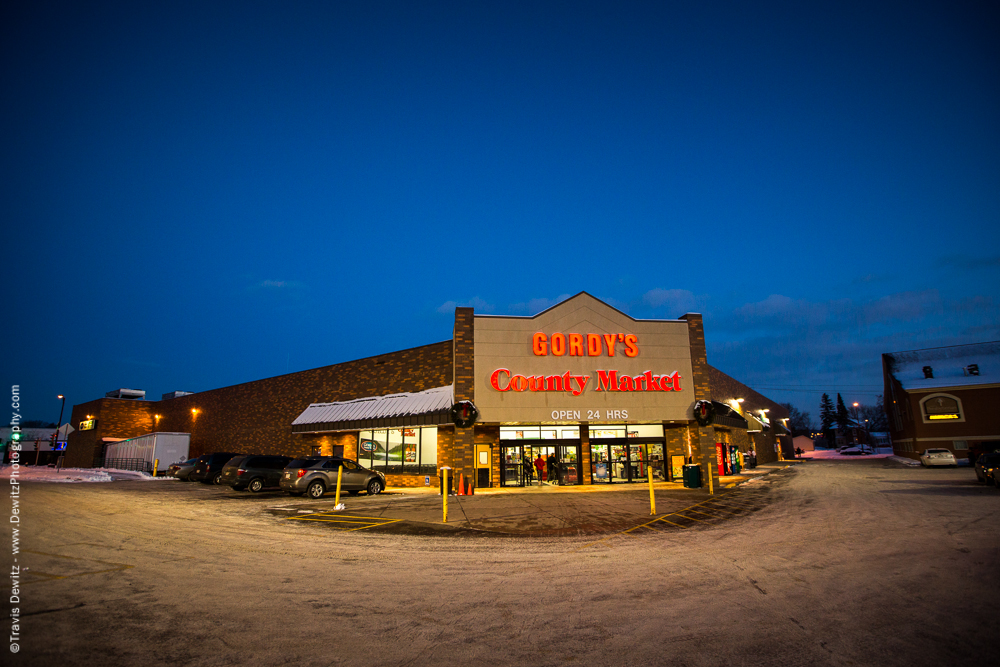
{"points": [[318, 474]]}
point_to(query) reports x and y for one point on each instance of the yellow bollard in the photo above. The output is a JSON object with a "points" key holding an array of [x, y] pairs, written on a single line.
{"points": [[711, 485], [652, 498], [340, 474], [156, 464], [444, 492]]}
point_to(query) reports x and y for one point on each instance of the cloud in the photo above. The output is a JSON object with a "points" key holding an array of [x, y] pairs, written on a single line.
{"points": [[678, 301], [275, 285], [535, 306], [475, 302]]}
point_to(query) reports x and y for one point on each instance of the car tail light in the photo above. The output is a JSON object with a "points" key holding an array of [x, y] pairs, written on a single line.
{"points": [[240, 472], [301, 473]]}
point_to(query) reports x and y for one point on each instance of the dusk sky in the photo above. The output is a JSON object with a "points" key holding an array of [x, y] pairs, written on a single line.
{"points": [[200, 194]]}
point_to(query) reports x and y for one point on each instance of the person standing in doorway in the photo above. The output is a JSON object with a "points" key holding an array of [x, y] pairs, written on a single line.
{"points": [[550, 465], [526, 464], [540, 466]]}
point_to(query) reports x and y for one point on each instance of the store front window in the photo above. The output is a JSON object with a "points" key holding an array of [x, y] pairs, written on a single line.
{"points": [[399, 450]]}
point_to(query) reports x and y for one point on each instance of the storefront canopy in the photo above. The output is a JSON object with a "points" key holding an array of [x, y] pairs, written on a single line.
{"points": [[429, 407], [754, 425], [726, 416]]}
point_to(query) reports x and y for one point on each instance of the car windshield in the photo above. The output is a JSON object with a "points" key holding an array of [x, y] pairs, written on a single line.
{"points": [[937, 451], [303, 463]]}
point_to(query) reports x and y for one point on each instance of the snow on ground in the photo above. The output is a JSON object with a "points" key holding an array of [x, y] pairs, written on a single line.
{"points": [[834, 455], [75, 475]]}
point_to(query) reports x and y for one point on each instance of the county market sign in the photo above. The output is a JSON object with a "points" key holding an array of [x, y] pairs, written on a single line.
{"points": [[581, 360], [601, 380]]}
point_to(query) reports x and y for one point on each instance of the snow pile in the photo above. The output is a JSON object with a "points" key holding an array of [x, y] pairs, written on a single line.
{"points": [[74, 475], [907, 461], [834, 455]]}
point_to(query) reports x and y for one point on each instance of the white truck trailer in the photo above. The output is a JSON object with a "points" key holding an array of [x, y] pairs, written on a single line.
{"points": [[142, 452]]}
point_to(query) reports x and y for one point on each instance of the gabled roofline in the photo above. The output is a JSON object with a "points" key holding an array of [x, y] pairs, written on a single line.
{"points": [[539, 314]]}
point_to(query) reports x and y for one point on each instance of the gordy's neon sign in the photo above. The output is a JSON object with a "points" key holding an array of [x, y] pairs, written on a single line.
{"points": [[579, 345]]}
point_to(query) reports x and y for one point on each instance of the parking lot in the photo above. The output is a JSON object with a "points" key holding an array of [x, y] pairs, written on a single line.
{"points": [[841, 562]]}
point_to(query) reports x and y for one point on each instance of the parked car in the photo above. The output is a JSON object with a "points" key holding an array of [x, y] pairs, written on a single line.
{"points": [[855, 451], [182, 469], [208, 469], [254, 472], [988, 468], [937, 457], [318, 474]]}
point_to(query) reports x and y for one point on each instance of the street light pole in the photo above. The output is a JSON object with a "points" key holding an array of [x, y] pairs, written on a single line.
{"points": [[59, 424]]}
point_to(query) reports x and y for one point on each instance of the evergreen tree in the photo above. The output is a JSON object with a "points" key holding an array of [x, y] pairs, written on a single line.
{"points": [[843, 418], [827, 415]]}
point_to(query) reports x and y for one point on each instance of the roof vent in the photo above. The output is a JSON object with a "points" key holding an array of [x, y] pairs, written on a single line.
{"points": [[972, 369], [928, 373], [134, 394], [175, 394]]}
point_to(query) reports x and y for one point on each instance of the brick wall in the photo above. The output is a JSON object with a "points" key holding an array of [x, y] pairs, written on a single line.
{"points": [[115, 417], [462, 454], [256, 417]]}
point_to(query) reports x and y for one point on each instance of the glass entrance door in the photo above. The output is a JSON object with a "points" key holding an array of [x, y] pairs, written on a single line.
{"points": [[514, 469], [569, 464], [622, 461]]}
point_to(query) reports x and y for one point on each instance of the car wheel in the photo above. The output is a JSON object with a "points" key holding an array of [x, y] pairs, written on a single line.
{"points": [[217, 480], [256, 485], [374, 487], [316, 490]]}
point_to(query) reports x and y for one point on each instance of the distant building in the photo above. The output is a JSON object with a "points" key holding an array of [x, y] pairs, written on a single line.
{"points": [[803, 442], [943, 397]]}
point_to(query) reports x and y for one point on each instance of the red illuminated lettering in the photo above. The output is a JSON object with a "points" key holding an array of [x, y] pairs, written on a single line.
{"points": [[631, 345], [576, 345], [609, 341], [519, 383], [624, 384], [495, 378], [540, 344], [558, 344], [593, 345], [607, 380]]}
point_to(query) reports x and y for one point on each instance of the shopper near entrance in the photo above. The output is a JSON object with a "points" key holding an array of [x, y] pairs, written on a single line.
{"points": [[540, 466], [550, 464]]}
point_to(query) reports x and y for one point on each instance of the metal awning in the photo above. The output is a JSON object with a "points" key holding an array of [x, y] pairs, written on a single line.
{"points": [[754, 425], [424, 408], [726, 416]]}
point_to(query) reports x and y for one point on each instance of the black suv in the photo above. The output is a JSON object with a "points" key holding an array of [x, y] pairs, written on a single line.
{"points": [[254, 472], [208, 469], [318, 474]]}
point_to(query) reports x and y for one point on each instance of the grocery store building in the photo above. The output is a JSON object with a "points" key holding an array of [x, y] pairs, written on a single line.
{"points": [[609, 396]]}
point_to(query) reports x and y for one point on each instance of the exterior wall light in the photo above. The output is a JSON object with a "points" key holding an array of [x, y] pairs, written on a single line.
{"points": [[739, 400]]}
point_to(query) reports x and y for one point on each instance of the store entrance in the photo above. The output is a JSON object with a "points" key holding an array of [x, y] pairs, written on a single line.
{"points": [[624, 460], [560, 464]]}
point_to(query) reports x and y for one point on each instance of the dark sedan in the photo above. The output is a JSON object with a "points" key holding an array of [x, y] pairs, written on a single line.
{"points": [[988, 468], [208, 469], [318, 474], [254, 472]]}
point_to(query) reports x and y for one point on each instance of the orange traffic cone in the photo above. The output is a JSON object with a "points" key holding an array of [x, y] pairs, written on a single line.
{"points": [[461, 484]]}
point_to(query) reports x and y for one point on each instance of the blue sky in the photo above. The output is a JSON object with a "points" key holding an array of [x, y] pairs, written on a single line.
{"points": [[196, 195]]}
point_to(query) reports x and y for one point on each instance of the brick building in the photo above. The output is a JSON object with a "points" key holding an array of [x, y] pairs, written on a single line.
{"points": [[605, 394], [943, 397]]}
